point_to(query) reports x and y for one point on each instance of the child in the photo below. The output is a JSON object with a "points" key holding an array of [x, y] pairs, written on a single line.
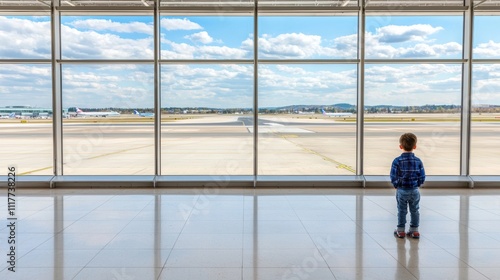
{"points": [[407, 174]]}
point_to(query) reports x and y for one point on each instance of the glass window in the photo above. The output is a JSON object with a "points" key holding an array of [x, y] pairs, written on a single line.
{"points": [[485, 128], [25, 118], [206, 37], [207, 119], [398, 37], [423, 99], [484, 158], [486, 37], [26, 37], [307, 123], [107, 37], [104, 132], [307, 37]]}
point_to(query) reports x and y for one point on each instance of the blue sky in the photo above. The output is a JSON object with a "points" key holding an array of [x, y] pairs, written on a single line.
{"points": [[226, 85]]}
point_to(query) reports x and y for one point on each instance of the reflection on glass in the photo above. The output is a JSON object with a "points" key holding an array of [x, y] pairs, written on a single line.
{"points": [[25, 118], [207, 119], [423, 99], [307, 119], [101, 133], [25, 37], [485, 129], [107, 37], [307, 37], [206, 37], [430, 37], [486, 40]]}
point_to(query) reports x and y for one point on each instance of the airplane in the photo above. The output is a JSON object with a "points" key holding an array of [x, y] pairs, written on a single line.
{"points": [[335, 114], [75, 111], [305, 113], [9, 116], [144, 114]]}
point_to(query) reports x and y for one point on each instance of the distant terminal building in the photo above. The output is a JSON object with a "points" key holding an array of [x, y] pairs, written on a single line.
{"points": [[27, 112]]}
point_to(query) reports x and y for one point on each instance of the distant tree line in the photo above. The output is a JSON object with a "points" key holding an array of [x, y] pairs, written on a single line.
{"points": [[296, 109]]}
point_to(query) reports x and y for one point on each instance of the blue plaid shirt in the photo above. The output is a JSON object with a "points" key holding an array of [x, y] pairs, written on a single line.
{"points": [[407, 171]]}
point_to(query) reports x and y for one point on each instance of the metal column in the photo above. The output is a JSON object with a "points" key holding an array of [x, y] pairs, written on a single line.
{"points": [[361, 89], [466, 89], [255, 91], [157, 88], [57, 148]]}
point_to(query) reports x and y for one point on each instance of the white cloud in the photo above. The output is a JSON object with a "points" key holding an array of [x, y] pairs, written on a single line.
{"points": [[294, 85], [109, 25], [416, 44], [221, 52], [179, 24], [403, 33], [424, 50], [486, 84], [179, 51], [413, 84], [90, 44], [289, 45], [344, 46], [24, 38], [490, 49], [26, 85], [186, 51], [201, 37], [377, 49], [221, 86], [108, 86]]}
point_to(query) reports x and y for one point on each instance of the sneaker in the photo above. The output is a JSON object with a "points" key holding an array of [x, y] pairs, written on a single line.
{"points": [[399, 234], [413, 234]]}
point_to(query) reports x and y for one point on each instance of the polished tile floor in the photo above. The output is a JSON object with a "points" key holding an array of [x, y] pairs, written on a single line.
{"points": [[125, 234]]}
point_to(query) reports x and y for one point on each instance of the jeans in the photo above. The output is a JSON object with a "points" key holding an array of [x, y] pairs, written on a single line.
{"points": [[405, 198]]}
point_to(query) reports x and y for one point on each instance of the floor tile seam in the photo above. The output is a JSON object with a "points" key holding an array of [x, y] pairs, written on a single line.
{"points": [[335, 204], [380, 246], [135, 267], [36, 248], [436, 212], [166, 260], [79, 271], [493, 236], [404, 265], [122, 229], [179, 233], [93, 209], [162, 269], [243, 229], [485, 276], [464, 262], [255, 233], [483, 234], [409, 271], [33, 249], [313, 242], [333, 274], [469, 227], [490, 212], [362, 268], [299, 219], [378, 202], [392, 212], [99, 251], [214, 267]]}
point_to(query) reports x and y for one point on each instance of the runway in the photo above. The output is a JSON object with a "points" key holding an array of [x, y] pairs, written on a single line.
{"points": [[223, 145]]}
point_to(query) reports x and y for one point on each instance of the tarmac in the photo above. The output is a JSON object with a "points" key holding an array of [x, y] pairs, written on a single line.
{"points": [[224, 145]]}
